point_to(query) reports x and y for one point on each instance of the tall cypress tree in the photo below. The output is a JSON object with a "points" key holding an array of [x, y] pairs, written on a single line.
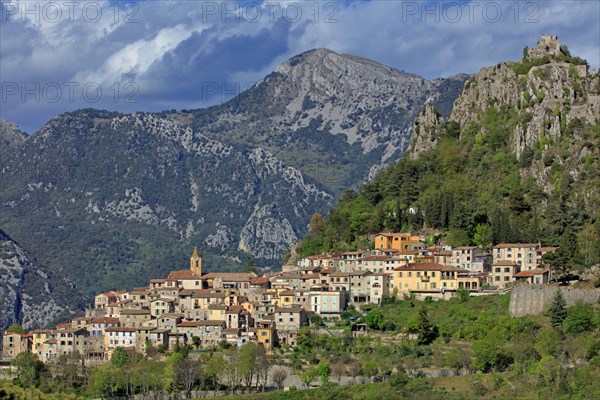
{"points": [[558, 310]]}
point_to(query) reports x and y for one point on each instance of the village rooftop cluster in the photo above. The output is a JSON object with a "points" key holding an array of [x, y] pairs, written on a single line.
{"points": [[205, 309]]}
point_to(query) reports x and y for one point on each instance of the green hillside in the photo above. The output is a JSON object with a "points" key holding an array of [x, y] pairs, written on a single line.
{"points": [[462, 184], [516, 169]]}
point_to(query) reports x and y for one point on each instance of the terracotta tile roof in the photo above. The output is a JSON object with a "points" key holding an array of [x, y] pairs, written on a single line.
{"points": [[328, 270], [465, 248], [286, 293], [533, 272], [211, 323], [188, 324], [259, 281], [182, 275], [231, 330]]}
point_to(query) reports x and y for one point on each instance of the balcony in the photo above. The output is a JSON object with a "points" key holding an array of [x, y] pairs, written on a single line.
{"points": [[424, 279]]}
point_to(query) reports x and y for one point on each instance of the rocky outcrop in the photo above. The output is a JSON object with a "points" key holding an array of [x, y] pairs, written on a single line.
{"points": [[545, 99], [426, 130], [11, 137]]}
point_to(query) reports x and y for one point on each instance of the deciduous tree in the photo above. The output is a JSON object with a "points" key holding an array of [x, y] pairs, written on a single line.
{"points": [[278, 376]]}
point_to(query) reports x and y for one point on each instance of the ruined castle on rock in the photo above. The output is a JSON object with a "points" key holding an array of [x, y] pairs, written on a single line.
{"points": [[547, 46]]}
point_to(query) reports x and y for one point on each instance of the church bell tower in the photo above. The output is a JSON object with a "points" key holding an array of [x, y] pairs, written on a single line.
{"points": [[196, 262]]}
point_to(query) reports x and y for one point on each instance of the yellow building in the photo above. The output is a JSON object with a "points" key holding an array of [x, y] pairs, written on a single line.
{"points": [[432, 278], [196, 262], [397, 241], [287, 298], [39, 336], [265, 332], [216, 312]]}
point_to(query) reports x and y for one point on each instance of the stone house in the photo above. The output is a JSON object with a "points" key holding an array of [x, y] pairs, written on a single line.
{"points": [[134, 318], [14, 344], [120, 336], [288, 321], [503, 272]]}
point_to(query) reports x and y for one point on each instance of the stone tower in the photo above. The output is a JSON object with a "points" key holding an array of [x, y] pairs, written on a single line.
{"points": [[547, 46], [196, 262]]}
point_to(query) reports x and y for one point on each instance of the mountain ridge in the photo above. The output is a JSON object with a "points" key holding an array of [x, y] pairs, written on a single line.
{"points": [[106, 197]]}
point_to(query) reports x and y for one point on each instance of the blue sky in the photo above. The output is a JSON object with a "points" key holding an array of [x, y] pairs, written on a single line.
{"points": [[57, 56]]}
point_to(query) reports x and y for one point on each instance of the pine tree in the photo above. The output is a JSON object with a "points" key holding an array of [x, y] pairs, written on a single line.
{"points": [[558, 310], [426, 330]]}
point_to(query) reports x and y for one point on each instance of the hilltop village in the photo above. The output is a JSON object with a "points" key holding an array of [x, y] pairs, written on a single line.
{"points": [[205, 309]]}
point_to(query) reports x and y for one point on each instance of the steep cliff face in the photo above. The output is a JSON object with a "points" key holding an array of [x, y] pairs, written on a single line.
{"points": [[549, 110], [30, 296], [425, 132], [545, 98]]}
